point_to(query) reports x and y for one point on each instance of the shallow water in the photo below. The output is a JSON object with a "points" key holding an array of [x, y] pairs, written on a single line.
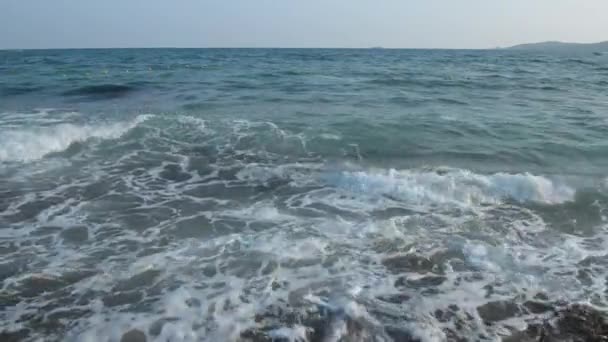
{"points": [[298, 194]]}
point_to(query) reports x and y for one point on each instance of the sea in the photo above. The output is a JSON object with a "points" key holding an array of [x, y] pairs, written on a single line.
{"points": [[299, 194]]}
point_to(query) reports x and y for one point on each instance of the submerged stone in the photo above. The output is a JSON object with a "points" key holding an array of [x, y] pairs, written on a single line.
{"points": [[574, 323], [498, 311], [408, 263], [133, 336], [75, 234]]}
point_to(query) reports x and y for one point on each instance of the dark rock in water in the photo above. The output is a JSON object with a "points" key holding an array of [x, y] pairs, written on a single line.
{"points": [[575, 323], [270, 267], [443, 315], [199, 163], [256, 336], [45, 241], [582, 321], [322, 323], [209, 271], [67, 315], [8, 248], [594, 260], [585, 277], [157, 327], [393, 212], [75, 234], [32, 209], [398, 298], [537, 307], [246, 268], [13, 336], [45, 230], [36, 285], [72, 277], [453, 336], [8, 300], [174, 172], [10, 269], [498, 311], [408, 263], [122, 298], [534, 333], [196, 227], [420, 283], [400, 335], [142, 279], [133, 336], [353, 331]]}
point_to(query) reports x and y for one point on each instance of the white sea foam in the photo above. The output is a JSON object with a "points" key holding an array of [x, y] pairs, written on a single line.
{"points": [[33, 144], [42, 116], [330, 260], [297, 333], [201, 124], [298, 174], [330, 136], [453, 186]]}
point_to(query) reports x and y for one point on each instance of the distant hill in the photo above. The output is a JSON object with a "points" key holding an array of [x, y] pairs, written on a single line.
{"points": [[561, 46]]}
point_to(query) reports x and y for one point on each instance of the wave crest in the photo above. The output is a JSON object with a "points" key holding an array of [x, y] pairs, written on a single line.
{"points": [[454, 186], [29, 145]]}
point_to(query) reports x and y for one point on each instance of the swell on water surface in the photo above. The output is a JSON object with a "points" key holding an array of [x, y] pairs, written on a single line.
{"points": [[19, 90], [101, 91]]}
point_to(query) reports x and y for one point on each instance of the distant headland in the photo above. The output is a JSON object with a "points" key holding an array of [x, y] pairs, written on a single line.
{"points": [[601, 47]]}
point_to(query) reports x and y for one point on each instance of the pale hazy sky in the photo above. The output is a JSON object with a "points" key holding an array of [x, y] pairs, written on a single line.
{"points": [[298, 23]]}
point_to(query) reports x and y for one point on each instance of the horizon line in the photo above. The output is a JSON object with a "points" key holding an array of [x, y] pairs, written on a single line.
{"points": [[299, 47], [243, 47]]}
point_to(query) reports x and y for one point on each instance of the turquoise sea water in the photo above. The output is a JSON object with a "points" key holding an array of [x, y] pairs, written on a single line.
{"points": [[322, 194]]}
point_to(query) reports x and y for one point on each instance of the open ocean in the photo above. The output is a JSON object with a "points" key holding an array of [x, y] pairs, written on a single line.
{"points": [[299, 195]]}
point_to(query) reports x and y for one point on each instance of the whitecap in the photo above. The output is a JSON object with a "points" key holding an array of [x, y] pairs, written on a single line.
{"points": [[330, 136], [297, 333], [452, 186], [33, 144], [201, 124]]}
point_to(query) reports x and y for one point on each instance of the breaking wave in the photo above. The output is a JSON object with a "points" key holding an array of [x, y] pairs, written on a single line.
{"points": [[455, 186], [33, 144]]}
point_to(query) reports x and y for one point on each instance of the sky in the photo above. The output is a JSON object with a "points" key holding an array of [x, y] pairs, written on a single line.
{"points": [[298, 23]]}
